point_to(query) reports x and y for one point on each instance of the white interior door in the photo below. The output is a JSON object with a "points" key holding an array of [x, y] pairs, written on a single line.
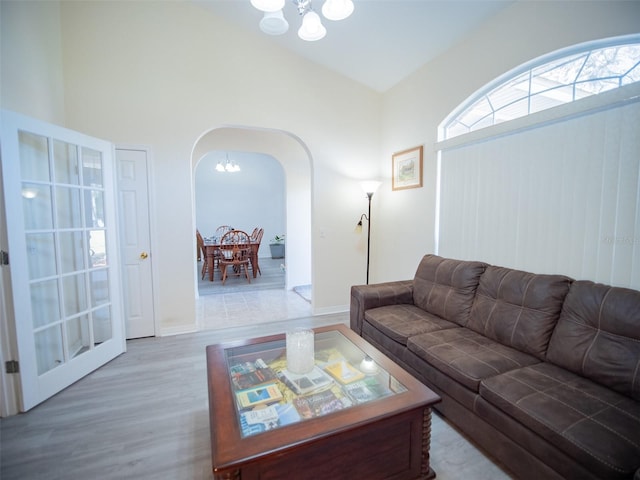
{"points": [[135, 242], [60, 200]]}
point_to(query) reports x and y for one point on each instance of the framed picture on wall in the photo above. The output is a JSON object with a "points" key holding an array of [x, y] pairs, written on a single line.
{"points": [[407, 169]]}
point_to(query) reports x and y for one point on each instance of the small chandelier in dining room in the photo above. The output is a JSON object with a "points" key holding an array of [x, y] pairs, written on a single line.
{"points": [[229, 166], [311, 29]]}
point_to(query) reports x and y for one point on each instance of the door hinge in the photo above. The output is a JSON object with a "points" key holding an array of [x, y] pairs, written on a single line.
{"points": [[4, 257], [12, 366]]}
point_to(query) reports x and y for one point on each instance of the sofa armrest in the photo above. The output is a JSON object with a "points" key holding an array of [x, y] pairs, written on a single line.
{"points": [[365, 297]]}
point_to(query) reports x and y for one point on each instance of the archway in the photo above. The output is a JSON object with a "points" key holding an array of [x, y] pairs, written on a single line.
{"points": [[296, 161]]}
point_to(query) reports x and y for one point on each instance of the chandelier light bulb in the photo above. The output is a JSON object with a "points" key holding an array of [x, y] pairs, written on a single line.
{"points": [[268, 5], [337, 9], [219, 167], [312, 28], [274, 23]]}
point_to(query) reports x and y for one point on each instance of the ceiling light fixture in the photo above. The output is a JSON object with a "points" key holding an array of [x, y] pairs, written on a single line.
{"points": [[227, 167], [274, 23]]}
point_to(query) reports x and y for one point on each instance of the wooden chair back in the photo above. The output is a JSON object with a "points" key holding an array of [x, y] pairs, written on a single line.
{"points": [[235, 252], [222, 229]]}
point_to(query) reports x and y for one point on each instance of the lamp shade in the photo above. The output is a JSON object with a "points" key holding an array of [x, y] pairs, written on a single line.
{"points": [[268, 5], [274, 23], [312, 28], [370, 186], [337, 9]]}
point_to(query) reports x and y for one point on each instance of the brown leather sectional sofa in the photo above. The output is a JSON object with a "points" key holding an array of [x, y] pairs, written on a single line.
{"points": [[541, 371]]}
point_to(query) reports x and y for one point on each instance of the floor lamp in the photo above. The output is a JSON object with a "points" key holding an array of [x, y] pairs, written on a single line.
{"points": [[369, 188]]}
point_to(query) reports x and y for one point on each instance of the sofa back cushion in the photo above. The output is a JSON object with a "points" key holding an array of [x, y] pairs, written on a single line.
{"points": [[446, 287], [598, 336], [518, 309]]}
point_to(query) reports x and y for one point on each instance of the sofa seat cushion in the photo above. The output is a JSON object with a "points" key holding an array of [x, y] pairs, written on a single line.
{"points": [[597, 426], [400, 322], [598, 336], [446, 287], [467, 356], [518, 309]]}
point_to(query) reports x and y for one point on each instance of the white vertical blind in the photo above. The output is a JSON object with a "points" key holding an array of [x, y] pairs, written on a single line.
{"points": [[558, 197]]}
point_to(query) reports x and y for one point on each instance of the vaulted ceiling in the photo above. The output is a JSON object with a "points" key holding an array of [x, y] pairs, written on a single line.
{"points": [[382, 42]]}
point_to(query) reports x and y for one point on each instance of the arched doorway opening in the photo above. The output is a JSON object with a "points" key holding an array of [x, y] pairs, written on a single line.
{"points": [[296, 162]]}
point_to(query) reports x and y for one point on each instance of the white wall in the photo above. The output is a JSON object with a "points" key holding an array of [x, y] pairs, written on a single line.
{"points": [[162, 73], [31, 77], [413, 109]]}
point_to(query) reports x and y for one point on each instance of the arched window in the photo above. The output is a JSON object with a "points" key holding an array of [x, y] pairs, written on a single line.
{"points": [[548, 81]]}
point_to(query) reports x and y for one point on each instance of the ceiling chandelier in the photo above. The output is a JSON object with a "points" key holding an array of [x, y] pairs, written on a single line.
{"points": [[227, 167], [311, 29]]}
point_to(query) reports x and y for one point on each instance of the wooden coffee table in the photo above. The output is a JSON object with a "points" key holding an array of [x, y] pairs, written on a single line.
{"points": [[362, 426]]}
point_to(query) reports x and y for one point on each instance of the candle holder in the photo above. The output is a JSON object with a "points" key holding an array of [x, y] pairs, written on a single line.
{"points": [[368, 366], [300, 350]]}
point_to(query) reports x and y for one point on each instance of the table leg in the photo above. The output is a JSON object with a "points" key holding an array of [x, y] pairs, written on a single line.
{"points": [[426, 470], [210, 266], [254, 263]]}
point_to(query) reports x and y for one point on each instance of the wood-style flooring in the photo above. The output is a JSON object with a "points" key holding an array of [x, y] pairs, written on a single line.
{"points": [[144, 416]]}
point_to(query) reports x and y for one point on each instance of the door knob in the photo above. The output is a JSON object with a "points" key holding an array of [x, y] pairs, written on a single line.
{"points": [[144, 255]]}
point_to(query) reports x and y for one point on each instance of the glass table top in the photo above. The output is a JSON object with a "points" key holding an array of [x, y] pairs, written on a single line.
{"points": [[268, 396]]}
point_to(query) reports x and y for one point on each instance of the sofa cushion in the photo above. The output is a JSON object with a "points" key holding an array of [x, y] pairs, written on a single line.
{"points": [[467, 356], [598, 336], [403, 321], [446, 287], [518, 309], [598, 427]]}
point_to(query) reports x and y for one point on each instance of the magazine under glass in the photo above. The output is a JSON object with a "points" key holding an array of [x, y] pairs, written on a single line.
{"points": [[268, 396]]}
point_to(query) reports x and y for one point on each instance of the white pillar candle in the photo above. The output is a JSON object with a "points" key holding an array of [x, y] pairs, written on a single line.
{"points": [[300, 350]]}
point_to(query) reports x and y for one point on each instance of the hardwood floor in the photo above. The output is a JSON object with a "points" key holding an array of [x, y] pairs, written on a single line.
{"points": [[144, 416]]}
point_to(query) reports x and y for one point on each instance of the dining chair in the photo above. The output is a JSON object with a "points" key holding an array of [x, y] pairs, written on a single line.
{"points": [[199, 246], [235, 252], [202, 254]]}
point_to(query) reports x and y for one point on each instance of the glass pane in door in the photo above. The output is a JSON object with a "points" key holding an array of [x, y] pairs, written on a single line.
{"points": [[65, 158], [78, 337], [94, 209], [74, 292], [68, 211], [99, 286], [92, 168], [97, 248], [36, 206], [102, 325], [41, 252], [71, 251], [34, 156], [49, 353], [45, 304]]}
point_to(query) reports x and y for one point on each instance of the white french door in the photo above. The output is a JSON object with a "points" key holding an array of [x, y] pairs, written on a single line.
{"points": [[63, 248]]}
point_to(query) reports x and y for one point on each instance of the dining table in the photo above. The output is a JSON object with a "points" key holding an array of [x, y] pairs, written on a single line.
{"points": [[212, 247]]}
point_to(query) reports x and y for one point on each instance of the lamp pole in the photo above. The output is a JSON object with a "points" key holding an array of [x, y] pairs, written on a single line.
{"points": [[369, 188], [369, 195]]}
